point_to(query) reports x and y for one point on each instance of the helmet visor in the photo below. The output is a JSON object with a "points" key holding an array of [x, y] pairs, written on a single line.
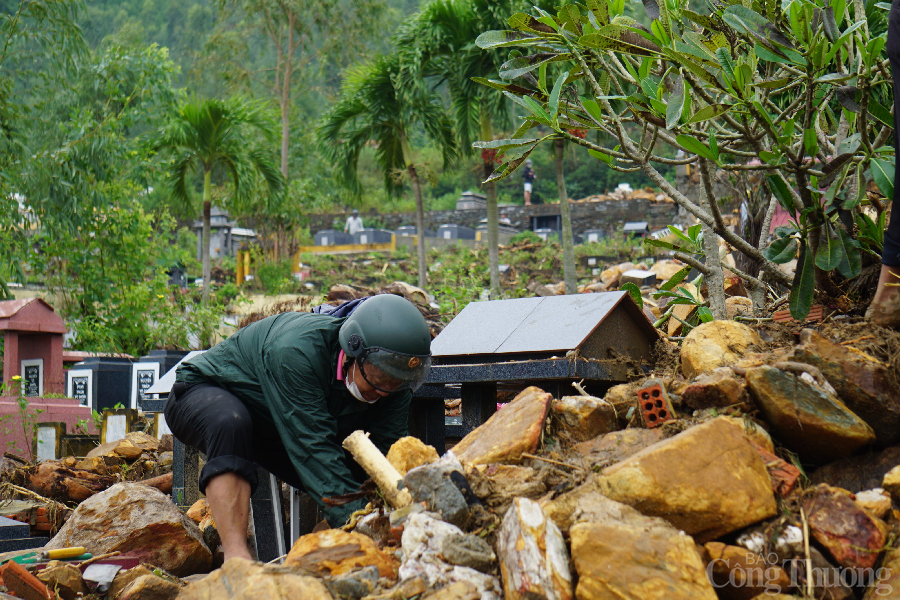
{"points": [[394, 371]]}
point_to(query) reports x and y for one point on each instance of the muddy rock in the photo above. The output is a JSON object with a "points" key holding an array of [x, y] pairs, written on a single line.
{"points": [[104, 449], [754, 432], [461, 590], [628, 556], [877, 502], [583, 417], [497, 485], [410, 452], [715, 344], [150, 587], [435, 484], [353, 585], [891, 483], [533, 557], [64, 579], [665, 269], [707, 481], [587, 504], [806, 418], [210, 532], [617, 446], [885, 585], [333, 552], [863, 383], [198, 510], [738, 305], [124, 578], [468, 551], [241, 579], [851, 536], [739, 574], [509, 432], [717, 389], [858, 473], [141, 521], [143, 441], [422, 542]]}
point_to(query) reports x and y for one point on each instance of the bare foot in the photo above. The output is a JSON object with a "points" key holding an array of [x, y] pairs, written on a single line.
{"points": [[885, 307], [238, 553]]}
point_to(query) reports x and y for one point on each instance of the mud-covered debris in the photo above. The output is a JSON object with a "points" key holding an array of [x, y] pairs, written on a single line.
{"points": [[435, 485], [852, 537], [151, 587], [353, 585], [498, 485], [468, 551], [720, 388], [460, 590], [510, 432], [707, 481], [583, 417], [807, 418], [617, 446], [334, 552], [242, 579], [716, 344], [64, 578], [739, 574], [410, 452], [533, 557], [877, 502]]}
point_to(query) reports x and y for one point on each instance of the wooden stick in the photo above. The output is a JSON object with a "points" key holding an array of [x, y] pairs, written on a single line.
{"points": [[859, 339], [94, 559], [809, 579], [377, 466]]}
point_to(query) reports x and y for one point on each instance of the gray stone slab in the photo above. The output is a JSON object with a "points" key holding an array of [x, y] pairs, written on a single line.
{"points": [[10, 529], [22, 544], [482, 327]]}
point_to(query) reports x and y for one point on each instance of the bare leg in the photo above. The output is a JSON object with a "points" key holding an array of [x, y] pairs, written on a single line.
{"points": [[229, 501], [885, 307], [527, 198]]}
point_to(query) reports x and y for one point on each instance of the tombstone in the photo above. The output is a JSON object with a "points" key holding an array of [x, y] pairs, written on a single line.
{"points": [[14, 535], [410, 230], [470, 200], [332, 237], [111, 380], [595, 264], [48, 441], [594, 235], [553, 222], [373, 236], [547, 233], [638, 277], [32, 346], [178, 277], [116, 424], [455, 232], [80, 385], [143, 376]]}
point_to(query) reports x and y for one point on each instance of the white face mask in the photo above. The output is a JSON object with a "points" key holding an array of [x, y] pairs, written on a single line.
{"points": [[354, 389]]}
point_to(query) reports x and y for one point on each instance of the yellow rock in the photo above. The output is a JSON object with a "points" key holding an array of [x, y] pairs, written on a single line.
{"points": [[891, 483], [410, 452], [754, 432], [583, 417], [150, 587], [707, 481], [715, 344], [124, 578], [335, 552], [199, 510], [876, 503], [63, 578], [460, 590], [738, 305], [242, 579]]}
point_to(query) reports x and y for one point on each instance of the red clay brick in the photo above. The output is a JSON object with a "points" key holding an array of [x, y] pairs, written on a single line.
{"points": [[22, 583]]}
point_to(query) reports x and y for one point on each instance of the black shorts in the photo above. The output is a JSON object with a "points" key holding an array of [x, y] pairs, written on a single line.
{"points": [[218, 424]]}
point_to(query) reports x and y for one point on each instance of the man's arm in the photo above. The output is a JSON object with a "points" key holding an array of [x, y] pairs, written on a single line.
{"points": [[307, 430]]}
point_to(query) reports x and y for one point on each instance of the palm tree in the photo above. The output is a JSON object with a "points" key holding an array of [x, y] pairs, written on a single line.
{"points": [[372, 109], [207, 135]]}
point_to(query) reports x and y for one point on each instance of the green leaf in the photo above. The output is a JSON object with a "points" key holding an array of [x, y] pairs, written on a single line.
{"points": [[619, 38], [695, 146], [675, 279], [503, 86], [835, 78], [673, 110], [525, 64], [600, 155], [554, 95], [593, 109], [660, 243], [830, 251], [804, 285], [782, 193], [880, 112], [781, 250], [705, 314], [499, 39], [810, 142], [833, 168], [505, 143], [634, 292], [709, 112], [851, 260], [883, 174]]}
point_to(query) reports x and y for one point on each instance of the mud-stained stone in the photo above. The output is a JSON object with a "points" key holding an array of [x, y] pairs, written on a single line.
{"points": [[583, 417], [533, 558], [707, 481], [336, 552], [510, 432], [617, 446], [852, 537], [150, 587], [242, 579], [717, 389], [140, 521], [739, 574], [410, 452], [806, 418], [715, 344]]}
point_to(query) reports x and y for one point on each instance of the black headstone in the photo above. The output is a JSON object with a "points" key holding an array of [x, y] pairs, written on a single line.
{"points": [[112, 380], [31, 381]]}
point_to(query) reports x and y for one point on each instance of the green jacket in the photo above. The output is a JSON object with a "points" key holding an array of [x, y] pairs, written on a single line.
{"points": [[284, 369]]}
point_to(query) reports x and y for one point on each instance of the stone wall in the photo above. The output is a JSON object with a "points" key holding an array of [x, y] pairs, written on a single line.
{"points": [[609, 215]]}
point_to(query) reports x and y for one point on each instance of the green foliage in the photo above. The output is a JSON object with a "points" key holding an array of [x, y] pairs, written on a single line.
{"points": [[526, 236]]}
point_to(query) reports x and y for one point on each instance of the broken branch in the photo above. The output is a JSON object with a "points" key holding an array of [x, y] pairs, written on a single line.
{"points": [[383, 473]]}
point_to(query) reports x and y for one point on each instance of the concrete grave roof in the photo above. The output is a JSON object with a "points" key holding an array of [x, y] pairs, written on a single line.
{"points": [[30, 314]]}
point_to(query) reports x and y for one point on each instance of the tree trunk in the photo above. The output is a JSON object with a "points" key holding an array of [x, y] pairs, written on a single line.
{"points": [[493, 217], [286, 101], [568, 242], [420, 210], [207, 206], [715, 281]]}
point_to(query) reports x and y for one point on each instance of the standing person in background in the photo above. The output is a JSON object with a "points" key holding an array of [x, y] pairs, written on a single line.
{"points": [[529, 177], [885, 307], [354, 223]]}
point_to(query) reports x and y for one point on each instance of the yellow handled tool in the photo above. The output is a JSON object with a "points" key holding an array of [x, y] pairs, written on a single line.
{"points": [[63, 553]]}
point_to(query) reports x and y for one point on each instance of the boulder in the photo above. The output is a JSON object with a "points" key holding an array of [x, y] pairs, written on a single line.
{"points": [[468, 551], [124, 578], [242, 579], [866, 385], [621, 397], [151, 587], [143, 441], [511, 431], [104, 449], [335, 552], [715, 344], [861, 472], [707, 481], [617, 446], [440, 486], [891, 483], [719, 388], [665, 269], [353, 585], [584, 504], [140, 521], [739, 574], [852, 537], [422, 543], [410, 452], [198, 510], [877, 502], [628, 556], [533, 557], [64, 579], [583, 417], [806, 418], [754, 432]]}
